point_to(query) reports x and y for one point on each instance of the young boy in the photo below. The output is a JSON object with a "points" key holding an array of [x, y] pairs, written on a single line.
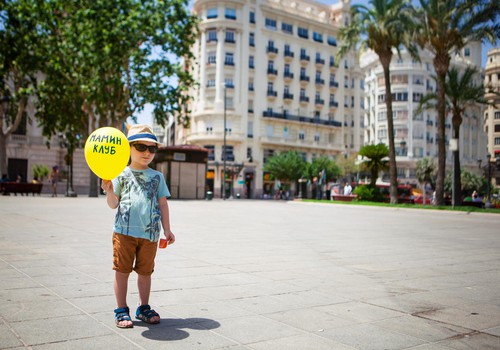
{"points": [[140, 194]]}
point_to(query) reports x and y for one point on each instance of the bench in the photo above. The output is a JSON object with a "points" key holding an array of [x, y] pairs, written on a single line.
{"points": [[344, 197], [6, 188], [473, 204]]}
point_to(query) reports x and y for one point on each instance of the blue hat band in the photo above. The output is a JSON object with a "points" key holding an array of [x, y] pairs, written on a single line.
{"points": [[142, 136]]}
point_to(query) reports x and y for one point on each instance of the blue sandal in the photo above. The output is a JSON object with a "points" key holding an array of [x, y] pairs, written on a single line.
{"points": [[145, 313], [123, 314]]}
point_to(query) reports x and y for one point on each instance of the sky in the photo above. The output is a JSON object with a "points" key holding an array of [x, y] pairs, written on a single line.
{"points": [[145, 117]]}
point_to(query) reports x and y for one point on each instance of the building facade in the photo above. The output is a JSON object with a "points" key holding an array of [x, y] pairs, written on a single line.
{"points": [[268, 83], [492, 114], [416, 134]]}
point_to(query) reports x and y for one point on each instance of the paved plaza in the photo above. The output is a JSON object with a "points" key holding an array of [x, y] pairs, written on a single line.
{"points": [[262, 275]]}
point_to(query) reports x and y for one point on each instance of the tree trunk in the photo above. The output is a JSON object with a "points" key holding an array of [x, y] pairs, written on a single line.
{"points": [[441, 65], [4, 135], [385, 60], [457, 182]]}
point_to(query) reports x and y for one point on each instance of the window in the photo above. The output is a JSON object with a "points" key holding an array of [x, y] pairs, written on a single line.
{"points": [[331, 41], [229, 60], [268, 153], [270, 23], [230, 13], [318, 37], [417, 96], [497, 128], [316, 137], [287, 69], [382, 133], [212, 35], [250, 85], [332, 61], [211, 81], [497, 140], [269, 131], [418, 79], [467, 52], [211, 151], [303, 33], [228, 152], [252, 17], [230, 36], [287, 28], [399, 79], [302, 93], [302, 135], [251, 62], [211, 57], [212, 13], [251, 39], [497, 115], [228, 83], [250, 130]]}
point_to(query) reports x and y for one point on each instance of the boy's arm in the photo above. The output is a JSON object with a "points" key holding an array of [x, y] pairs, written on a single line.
{"points": [[165, 220], [111, 197]]}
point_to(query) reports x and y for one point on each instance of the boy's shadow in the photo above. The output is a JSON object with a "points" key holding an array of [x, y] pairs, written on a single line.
{"points": [[172, 328]]}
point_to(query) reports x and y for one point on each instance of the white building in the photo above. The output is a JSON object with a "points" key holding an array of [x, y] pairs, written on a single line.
{"points": [[416, 134], [492, 114], [268, 69]]}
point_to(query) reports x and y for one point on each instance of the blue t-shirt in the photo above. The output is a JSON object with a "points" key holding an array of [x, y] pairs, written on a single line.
{"points": [[138, 212]]}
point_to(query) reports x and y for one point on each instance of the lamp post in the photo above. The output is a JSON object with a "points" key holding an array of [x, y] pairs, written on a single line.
{"points": [[64, 143], [224, 148], [488, 187]]}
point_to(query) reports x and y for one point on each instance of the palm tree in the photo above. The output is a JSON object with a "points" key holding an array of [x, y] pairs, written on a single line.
{"points": [[446, 26], [384, 28], [461, 91], [376, 161], [425, 169]]}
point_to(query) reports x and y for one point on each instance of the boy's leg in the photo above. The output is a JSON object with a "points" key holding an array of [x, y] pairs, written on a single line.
{"points": [[144, 287], [121, 286]]}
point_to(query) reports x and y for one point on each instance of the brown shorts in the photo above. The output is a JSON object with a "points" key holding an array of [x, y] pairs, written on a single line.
{"points": [[126, 249]]}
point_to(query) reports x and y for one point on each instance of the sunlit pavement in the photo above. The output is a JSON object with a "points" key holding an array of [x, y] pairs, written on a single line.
{"points": [[254, 275]]}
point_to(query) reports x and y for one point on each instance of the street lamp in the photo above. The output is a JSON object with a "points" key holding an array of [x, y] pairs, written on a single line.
{"points": [[224, 148], [64, 143], [488, 188]]}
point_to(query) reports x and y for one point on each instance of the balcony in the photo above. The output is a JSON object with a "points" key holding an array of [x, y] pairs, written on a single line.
{"points": [[304, 78], [229, 63], [319, 102], [303, 119], [272, 71], [304, 99], [430, 123], [272, 51], [287, 96], [272, 93], [289, 54], [288, 75], [333, 104], [320, 61], [305, 58], [319, 81], [334, 85]]}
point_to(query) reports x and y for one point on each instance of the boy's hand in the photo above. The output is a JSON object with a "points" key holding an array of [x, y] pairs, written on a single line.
{"points": [[107, 186], [170, 237]]}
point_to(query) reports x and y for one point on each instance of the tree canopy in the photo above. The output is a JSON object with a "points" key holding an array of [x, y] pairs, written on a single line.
{"points": [[376, 160], [286, 166]]}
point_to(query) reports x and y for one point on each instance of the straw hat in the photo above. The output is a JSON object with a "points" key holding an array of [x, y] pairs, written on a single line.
{"points": [[141, 132]]}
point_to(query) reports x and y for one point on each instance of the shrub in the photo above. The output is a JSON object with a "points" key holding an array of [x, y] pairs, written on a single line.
{"points": [[368, 193], [40, 171]]}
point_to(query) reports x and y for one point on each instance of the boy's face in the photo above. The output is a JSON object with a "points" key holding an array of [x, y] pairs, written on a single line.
{"points": [[142, 153]]}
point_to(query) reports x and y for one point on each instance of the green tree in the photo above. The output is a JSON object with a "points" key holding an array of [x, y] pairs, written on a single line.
{"points": [[470, 182], [347, 165], [104, 60], [425, 173], [330, 167], [286, 167], [383, 28], [444, 27], [18, 65], [376, 160], [461, 91]]}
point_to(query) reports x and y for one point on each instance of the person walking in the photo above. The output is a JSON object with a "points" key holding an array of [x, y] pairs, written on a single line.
{"points": [[54, 179], [140, 195]]}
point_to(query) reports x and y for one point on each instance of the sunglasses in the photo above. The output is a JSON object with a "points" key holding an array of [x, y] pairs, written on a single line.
{"points": [[142, 147]]}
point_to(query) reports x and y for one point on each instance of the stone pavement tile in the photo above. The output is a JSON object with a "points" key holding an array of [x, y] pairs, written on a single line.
{"points": [[493, 331], [371, 337], [177, 297], [96, 304], [429, 347], [475, 341], [28, 294], [406, 303], [359, 311], [37, 310], [216, 310], [467, 319], [83, 290], [300, 342], [64, 280], [35, 332], [8, 339], [480, 293], [112, 341], [252, 329], [19, 282], [311, 320], [38, 271], [417, 327], [260, 305]]}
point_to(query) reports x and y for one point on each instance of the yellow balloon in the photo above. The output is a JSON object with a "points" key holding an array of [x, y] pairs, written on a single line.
{"points": [[107, 152]]}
